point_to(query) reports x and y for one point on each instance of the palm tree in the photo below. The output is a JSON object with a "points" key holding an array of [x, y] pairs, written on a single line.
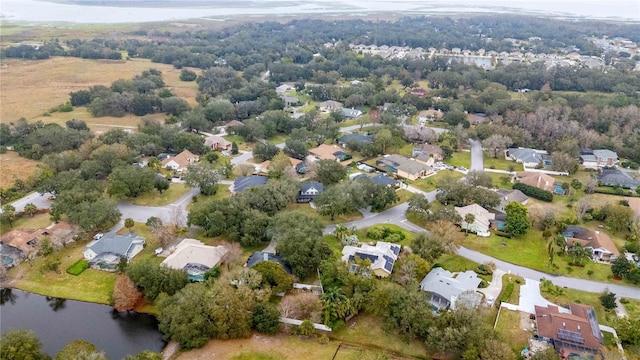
{"points": [[468, 220], [30, 209], [335, 305], [580, 253]]}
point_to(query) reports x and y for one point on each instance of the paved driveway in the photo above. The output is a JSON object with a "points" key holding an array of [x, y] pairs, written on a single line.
{"points": [[492, 291], [477, 161], [530, 297], [34, 198]]}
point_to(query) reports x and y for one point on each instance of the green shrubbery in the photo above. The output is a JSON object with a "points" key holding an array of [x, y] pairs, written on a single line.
{"points": [[534, 192], [78, 267], [385, 234]]}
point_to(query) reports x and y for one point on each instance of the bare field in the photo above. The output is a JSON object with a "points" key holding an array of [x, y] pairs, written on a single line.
{"points": [[13, 167], [29, 88]]}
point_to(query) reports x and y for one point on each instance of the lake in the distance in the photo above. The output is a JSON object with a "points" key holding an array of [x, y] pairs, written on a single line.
{"points": [[42, 11], [59, 321]]}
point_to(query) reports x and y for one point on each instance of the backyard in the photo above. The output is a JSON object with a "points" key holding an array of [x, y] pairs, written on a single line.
{"points": [[460, 158], [509, 327], [428, 184], [501, 163], [155, 198]]}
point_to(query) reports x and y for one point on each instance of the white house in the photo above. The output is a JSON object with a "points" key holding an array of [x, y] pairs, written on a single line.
{"points": [[126, 246], [482, 219], [194, 257], [382, 256], [447, 289]]}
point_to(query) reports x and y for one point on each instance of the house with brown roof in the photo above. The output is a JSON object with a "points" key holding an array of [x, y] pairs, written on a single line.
{"points": [[601, 245], [216, 142], [181, 161], [27, 241], [433, 151], [330, 152], [537, 179], [264, 166], [429, 115], [576, 332]]}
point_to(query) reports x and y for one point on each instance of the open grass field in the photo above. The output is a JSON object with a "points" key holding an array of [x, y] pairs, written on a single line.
{"points": [[154, 198], [262, 347], [429, 183], [496, 180], [510, 329], [365, 330], [460, 158], [456, 263], [30, 88], [14, 167], [500, 163]]}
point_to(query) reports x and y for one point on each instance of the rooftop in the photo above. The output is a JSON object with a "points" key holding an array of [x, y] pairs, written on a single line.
{"points": [[192, 252], [242, 183]]}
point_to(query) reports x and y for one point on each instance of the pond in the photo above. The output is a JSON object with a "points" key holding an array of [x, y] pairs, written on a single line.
{"points": [[60, 321]]}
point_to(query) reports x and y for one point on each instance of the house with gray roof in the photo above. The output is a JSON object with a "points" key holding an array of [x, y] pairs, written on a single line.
{"points": [[382, 256], [351, 113], [355, 138], [617, 177], [309, 191], [107, 251], [599, 158], [260, 256], [529, 157], [290, 100], [448, 289], [507, 196], [330, 105], [241, 183]]}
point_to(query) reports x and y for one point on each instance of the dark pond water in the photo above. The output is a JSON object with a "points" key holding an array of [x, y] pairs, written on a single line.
{"points": [[59, 321]]}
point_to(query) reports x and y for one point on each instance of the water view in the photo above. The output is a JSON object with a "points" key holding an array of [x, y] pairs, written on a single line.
{"points": [[59, 321], [113, 11]]}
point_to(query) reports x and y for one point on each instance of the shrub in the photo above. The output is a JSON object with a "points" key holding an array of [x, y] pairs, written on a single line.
{"points": [[78, 267], [534, 192], [187, 75], [324, 339], [304, 329]]}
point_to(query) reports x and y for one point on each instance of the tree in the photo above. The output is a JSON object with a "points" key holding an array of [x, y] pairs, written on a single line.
{"points": [[202, 177], [129, 181], [608, 300], [621, 267], [145, 355], [30, 209], [20, 345], [8, 214], [80, 350], [418, 204], [496, 143], [128, 223], [427, 247], [494, 349], [576, 184], [161, 184], [296, 149], [183, 317], [278, 164], [335, 306], [264, 152], [383, 139], [299, 242], [329, 172], [154, 279], [125, 294], [517, 222], [469, 219], [265, 318], [274, 276], [547, 354], [234, 148], [563, 162], [579, 253], [187, 75], [617, 217], [479, 178], [332, 201], [628, 330]]}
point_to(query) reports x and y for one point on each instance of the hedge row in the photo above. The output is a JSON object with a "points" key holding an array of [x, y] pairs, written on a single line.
{"points": [[78, 267], [506, 293], [534, 192]]}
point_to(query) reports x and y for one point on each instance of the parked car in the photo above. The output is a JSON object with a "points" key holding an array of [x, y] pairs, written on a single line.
{"points": [[98, 236]]}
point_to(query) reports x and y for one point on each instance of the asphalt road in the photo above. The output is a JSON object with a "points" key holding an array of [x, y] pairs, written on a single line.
{"points": [[477, 162], [34, 198]]}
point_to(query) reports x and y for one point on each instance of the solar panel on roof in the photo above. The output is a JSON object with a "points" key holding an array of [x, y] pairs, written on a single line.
{"points": [[362, 256], [395, 249], [388, 266], [572, 336]]}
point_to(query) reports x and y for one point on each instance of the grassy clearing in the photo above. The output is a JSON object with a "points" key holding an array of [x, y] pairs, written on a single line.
{"points": [[509, 327], [517, 281], [14, 167], [38, 221], [22, 93], [429, 184], [496, 180], [531, 251], [460, 158], [365, 330], [154, 198], [500, 163], [263, 347], [239, 140], [456, 263], [633, 308]]}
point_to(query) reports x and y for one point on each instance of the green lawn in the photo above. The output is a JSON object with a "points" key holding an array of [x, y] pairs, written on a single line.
{"points": [[456, 263], [38, 221], [633, 308], [154, 198], [242, 144], [531, 251], [500, 163], [279, 138], [460, 158], [510, 330], [496, 180], [366, 330], [429, 183], [408, 236]]}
